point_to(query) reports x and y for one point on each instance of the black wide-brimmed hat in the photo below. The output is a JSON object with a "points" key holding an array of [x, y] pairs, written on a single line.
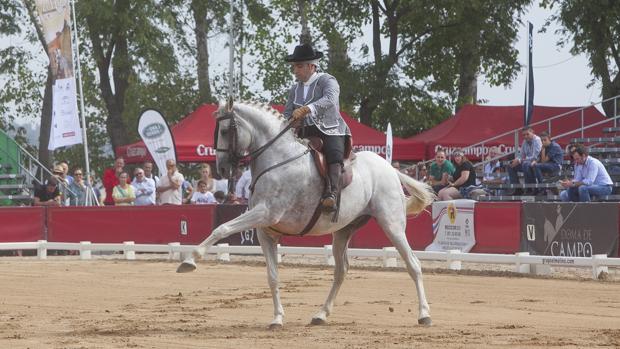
{"points": [[303, 53]]}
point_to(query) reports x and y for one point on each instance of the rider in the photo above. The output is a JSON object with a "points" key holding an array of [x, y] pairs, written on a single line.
{"points": [[314, 102]]}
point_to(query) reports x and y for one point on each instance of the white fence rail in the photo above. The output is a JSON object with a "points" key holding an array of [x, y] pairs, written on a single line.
{"points": [[523, 262]]}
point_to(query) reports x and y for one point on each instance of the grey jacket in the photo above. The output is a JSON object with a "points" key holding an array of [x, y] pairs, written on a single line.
{"points": [[323, 95]]}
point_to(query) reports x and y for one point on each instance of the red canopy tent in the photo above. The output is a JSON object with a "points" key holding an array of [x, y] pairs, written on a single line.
{"points": [[476, 123], [193, 137]]}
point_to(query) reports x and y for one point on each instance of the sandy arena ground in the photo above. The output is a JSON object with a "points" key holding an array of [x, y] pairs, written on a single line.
{"points": [[67, 303]]}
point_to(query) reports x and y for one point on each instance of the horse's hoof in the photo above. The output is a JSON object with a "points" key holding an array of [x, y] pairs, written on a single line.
{"points": [[425, 321], [318, 321], [186, 267], [275, 327]]}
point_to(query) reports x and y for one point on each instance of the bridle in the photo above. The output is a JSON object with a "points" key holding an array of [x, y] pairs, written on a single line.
{"points": [[232, 150]]}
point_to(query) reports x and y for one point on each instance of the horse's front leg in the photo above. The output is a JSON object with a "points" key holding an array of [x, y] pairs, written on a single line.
{"points": [[257, 217], [269, 246]]}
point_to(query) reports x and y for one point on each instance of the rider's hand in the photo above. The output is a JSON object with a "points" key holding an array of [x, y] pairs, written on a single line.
{"points": [[301, 112]]}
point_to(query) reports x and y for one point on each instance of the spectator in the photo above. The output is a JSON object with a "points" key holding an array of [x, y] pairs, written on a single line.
{"points": [[242, 190], [187, 190], [65, 170], [529, 152], [441, 169], [110, 179], [205, 175], [422, 175], [144, 188], [220, 196], [78, 189], [169, 187], [202, 195], [63, 185], [123, 193], [551, 157], [148, 172], [48, 194], [492, 172], [396, 165], [465, 179], [591, 178]]}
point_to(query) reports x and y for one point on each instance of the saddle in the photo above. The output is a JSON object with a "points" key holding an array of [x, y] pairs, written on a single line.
{"points": [[316, 146]]}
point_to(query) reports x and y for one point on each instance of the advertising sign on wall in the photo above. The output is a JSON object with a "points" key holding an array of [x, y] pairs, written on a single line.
{"points": [[453, 226]]}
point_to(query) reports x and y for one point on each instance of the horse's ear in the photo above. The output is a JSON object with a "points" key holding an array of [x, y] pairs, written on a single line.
{"points": [[229, 104]]}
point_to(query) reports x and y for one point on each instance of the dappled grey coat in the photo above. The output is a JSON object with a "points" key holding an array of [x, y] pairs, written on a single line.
{"points": [[323, 94]]}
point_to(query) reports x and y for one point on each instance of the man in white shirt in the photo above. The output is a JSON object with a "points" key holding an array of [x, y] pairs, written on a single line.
{"points": [[242, 190], [169, 187], [144, 188]]}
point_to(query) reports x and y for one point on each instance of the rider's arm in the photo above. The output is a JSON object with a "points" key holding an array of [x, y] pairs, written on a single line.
{"points": [[331, 93]]}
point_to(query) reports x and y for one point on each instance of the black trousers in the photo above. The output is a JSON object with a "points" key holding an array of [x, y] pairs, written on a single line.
{"points": [[333, 146]]}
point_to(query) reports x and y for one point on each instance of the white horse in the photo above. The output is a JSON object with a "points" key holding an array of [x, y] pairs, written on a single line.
{"points": [[286, 195]]}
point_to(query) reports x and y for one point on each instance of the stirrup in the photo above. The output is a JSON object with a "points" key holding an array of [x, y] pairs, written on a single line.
{"points": [[329, 202]]}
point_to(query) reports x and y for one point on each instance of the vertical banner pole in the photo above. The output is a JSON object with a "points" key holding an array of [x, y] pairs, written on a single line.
{"points": [[89, 193], [231, 57]]}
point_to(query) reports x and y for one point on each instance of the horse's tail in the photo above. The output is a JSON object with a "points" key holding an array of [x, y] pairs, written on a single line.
{"points": [[421, 194]]}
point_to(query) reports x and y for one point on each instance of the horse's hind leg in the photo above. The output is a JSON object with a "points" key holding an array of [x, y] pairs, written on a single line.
{"points": [[269, 246], [340, 244], [394, 227]]}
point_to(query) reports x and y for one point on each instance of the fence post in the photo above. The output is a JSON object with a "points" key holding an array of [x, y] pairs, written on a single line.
{"points": [[454, 263], [223, 256], [42, 249], [523, 268], [85, 250], [174, 256], [130, 254], [599, 266], [389, 262], [329, 255], [278, 254]]}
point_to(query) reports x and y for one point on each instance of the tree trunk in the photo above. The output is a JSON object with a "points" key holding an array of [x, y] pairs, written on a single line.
{"points": [[468, 78], [611, 89], [46, 122], [305, 37], [199, 8]]}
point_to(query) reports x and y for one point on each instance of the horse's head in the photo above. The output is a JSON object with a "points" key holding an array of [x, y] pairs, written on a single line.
{"points": [[232, 139]]}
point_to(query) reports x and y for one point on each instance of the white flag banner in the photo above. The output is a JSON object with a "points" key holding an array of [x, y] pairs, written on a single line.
{"points": [[157, 137], [453, 225], [55, 18], [389, 143]]}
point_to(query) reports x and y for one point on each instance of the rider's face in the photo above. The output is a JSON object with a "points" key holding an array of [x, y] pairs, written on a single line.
{"points": [[303, 71]]}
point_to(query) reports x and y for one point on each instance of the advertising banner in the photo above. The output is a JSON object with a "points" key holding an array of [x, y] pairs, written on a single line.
{"points": [[55, 18], [453, 226], [570, 229], [156, 134]]}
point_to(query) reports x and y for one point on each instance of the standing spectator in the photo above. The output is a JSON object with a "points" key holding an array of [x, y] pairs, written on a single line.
{"points": [[169, 187], [441, 169], [148, 172], [187, 190], [207, 177], [529, 152], [123, 193], [591, 178], [63, 185], [65, 170], [202, 195], [48, 194], [78, 189], [464, 179], [144, 188], [242, 190], [110, 179]]}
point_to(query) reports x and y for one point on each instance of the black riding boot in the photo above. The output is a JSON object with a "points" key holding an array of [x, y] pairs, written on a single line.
{"points": [[330, 199]]}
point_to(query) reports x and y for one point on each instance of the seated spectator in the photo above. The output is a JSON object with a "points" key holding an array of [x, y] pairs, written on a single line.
{"points": [[242, 190], [529, 152], [220, 196], [396, 165], [492, 172], [551, 157], [144, 188], [123, 193], [422, 173], [441, 170], [169, 187], [202, 195], [47, 194], [464, 179], [591, 178], [77, 189]]}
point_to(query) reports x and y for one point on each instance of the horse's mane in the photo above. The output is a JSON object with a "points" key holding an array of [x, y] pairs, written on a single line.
{"points": [[262, 107]]}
